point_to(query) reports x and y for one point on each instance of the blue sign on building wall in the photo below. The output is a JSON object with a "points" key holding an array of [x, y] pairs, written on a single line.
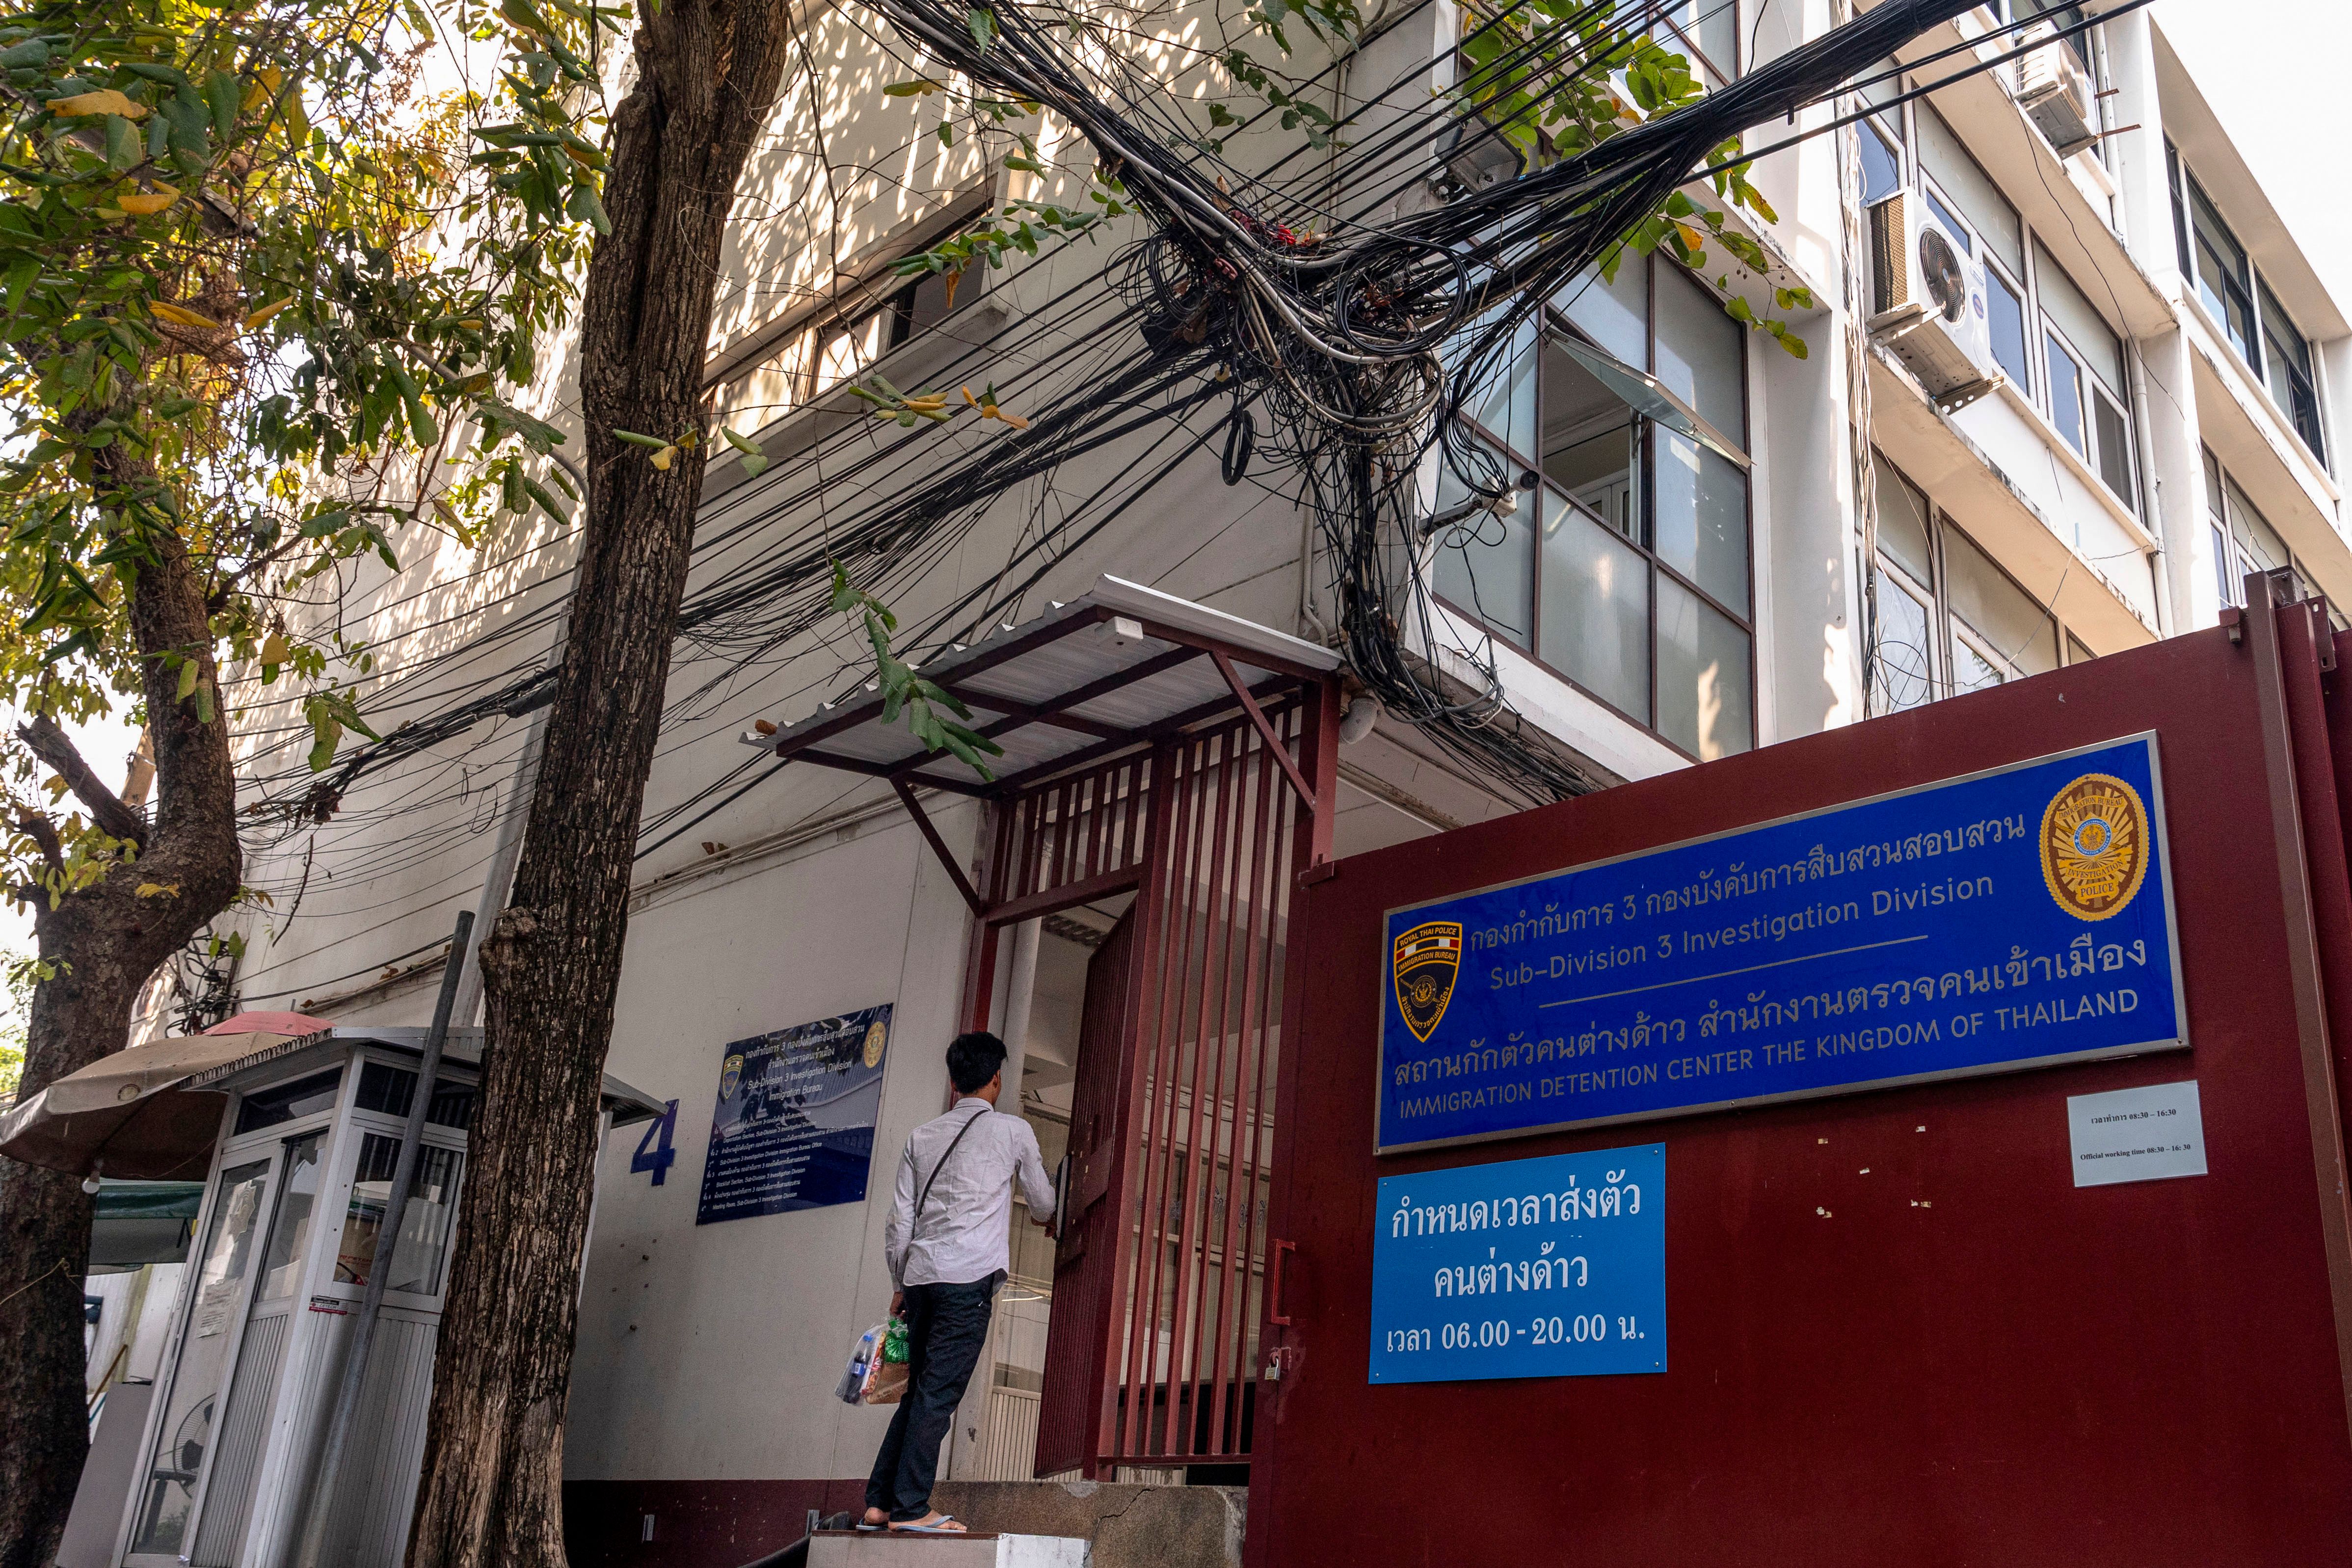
{"points": [[1547, 1268], [794, 1126], [2017, 916]]}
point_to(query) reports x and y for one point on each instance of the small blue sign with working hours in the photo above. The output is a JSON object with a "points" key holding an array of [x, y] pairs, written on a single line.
{"points": [[1545, 1268]]}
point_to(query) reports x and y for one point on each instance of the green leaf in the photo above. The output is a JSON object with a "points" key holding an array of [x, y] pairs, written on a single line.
{"points": [[222, 96], [585, 206], [982, 26], [189, 673]]}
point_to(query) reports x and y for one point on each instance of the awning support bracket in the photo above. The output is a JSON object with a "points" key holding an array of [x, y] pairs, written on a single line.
{"points": [[1273, 742], [939, 847]]}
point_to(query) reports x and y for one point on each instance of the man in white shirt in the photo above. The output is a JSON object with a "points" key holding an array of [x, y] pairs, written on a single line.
{"points": [[948, 1246]]}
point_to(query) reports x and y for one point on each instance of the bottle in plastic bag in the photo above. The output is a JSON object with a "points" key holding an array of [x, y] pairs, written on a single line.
{"points": [[894, 1342]]}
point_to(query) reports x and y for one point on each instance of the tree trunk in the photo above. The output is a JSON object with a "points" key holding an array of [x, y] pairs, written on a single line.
{"points": [[105, 941], [492, 1492]]}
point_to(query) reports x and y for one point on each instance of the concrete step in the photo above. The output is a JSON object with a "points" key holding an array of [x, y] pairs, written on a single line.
{"points": [[980, 1549], [1127, 1526]]}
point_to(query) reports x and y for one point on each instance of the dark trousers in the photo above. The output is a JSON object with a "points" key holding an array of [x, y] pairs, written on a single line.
{"points": [[946, 1325]]}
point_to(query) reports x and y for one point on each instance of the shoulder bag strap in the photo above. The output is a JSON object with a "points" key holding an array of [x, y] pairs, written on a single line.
{"points": [[943, 1161]]}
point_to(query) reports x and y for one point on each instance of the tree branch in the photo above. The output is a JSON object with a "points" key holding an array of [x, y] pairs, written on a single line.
{"points": [[51, 745], [44, 834]]}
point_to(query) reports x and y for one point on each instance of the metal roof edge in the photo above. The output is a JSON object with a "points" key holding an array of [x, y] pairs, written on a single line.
{"points": [[1117, 593]]}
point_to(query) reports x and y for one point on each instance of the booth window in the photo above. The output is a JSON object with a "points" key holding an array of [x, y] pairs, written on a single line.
{"points": [[1950, 620], [1624, 568], [288, 1102], [417, 1257], [390, 1089], [289, 1233], [184, 1437]]}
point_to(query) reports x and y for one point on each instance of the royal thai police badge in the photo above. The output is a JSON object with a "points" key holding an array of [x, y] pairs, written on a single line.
{"points": [[2095, 846], [877, 1035], [730, 1073], [1422, 969]]}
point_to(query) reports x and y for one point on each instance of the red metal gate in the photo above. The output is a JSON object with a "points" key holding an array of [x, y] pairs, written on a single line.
{"points": [[1159, 1281], [1899, 1332]]}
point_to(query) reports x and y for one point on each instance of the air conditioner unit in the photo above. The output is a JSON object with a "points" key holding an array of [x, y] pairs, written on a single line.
{"points": [[2057, 93], [1928, 300]]}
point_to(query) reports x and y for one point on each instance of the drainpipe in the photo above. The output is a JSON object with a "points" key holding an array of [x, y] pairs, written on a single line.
{"points": [[387, 1245]]}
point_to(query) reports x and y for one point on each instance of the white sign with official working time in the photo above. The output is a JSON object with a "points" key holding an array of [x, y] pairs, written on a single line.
{"points": [[2136, 1134]]}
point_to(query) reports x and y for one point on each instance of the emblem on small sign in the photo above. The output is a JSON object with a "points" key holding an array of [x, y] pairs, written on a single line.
{"points": [[2095, 846], [877, 1034], [1423, 967], [730, 1073]]}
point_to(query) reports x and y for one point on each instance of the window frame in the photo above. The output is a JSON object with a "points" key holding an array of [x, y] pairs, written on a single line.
{"points": [[2090, 387], [1947, 629], [1551, 321], [803, 337]]}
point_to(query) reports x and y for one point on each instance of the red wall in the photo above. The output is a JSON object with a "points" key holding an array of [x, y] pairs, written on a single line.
{"points": [[1898, 1333]]}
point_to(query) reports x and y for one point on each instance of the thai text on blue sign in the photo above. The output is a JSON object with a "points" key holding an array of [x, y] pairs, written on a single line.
{"points": [[794, 1126], [1547, 1268], [2013, 917]]}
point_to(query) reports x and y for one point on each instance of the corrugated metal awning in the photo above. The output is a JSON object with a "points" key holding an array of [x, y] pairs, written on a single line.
{"points": [[1116, 666]]}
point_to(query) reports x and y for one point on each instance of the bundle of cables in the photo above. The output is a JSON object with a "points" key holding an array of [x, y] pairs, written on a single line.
{"points": [[1361, 334]]}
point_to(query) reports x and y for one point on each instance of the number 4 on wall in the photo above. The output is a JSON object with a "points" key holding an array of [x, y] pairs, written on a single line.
{"points": [[654, 1153]]}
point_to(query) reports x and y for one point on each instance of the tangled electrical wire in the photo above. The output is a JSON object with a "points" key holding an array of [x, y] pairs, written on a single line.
{"points": [[1362, 335], [1358, 334]]}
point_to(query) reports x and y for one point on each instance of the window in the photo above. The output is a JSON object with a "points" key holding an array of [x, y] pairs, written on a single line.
{"points": [[417, 1257], [2085, 363], [2005, 323], [2216, 264], [2213, 260], [821, 351], [1709, 30], [288, 1102], [1625, 566], [392, 1088], [2287, 354], [1881, 137], [2243, 541], [1950, 620]]}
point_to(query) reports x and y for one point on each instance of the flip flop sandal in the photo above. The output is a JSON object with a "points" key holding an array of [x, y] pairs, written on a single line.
{"points": [[865, 1529], [945, 1525]]}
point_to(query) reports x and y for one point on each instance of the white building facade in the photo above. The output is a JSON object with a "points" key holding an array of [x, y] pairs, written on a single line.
{"points": [[2154, 418]]}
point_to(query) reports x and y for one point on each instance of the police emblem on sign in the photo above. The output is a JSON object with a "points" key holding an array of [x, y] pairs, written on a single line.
{"points": [[2095, 846], [729, 1075], [1422, 967]]}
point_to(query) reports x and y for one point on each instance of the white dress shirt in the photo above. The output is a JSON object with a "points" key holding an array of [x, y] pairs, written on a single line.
{"points": [[963, 1235]]}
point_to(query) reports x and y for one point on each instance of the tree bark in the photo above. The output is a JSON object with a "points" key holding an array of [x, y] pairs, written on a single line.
{"points": [[105, 941], [492, 1490]]}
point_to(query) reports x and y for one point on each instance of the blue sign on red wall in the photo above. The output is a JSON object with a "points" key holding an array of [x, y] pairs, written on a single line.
{"points": [[1545, 1268], [2008, 918]]}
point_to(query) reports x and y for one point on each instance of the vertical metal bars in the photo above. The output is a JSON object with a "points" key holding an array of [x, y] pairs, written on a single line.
{"points": [[1193, 1273]]}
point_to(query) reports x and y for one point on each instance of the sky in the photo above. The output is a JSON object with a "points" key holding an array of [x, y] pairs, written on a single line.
{"points": [[2235, 49]]}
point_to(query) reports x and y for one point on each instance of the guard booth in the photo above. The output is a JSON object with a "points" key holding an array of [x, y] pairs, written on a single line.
{"points": [[289, 1232], [1918, 1143]]}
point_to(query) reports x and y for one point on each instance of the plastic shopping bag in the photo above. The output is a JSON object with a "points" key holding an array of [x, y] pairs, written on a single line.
{"points": [[863, 1360], [886, 1378]]}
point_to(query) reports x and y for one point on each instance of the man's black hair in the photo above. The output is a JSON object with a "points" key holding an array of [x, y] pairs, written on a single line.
{"points": [[973, 1059]]}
